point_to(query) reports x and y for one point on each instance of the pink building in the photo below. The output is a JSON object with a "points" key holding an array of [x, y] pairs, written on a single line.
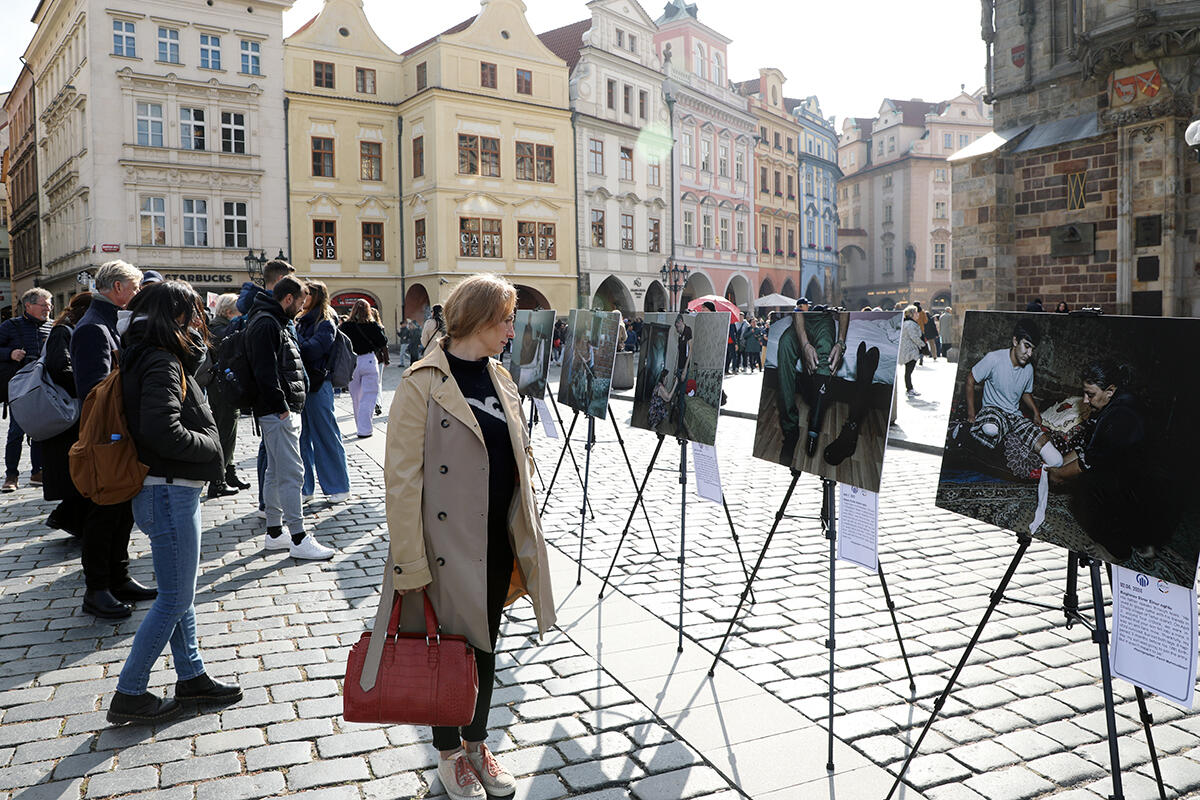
{"points": [[714, 158]]}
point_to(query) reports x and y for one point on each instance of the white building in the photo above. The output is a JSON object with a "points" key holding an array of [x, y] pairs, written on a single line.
{"points": [[160, 131], [622, 147]]}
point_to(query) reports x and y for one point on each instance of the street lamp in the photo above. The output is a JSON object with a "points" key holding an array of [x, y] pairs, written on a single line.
{"points": [[673, 275], [254, 266], [1192, 137]]}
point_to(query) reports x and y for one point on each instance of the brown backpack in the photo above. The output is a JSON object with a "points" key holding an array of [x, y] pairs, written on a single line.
{"points": [[104, 462]]}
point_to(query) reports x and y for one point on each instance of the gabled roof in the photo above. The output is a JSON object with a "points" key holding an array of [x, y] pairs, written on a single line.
{"points": [[306, 25], [567, 41], [459, 28], [864, 124], [913, 111]]}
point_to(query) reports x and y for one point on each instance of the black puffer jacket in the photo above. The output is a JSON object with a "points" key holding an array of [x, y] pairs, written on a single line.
{"points": [[176, 436], [274, 357]]}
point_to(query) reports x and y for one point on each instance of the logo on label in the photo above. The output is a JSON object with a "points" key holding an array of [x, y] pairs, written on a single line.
{"points": [[1163, 586], [1143, 580]]}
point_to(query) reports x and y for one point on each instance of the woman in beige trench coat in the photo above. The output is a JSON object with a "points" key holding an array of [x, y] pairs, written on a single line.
{"points": [[461, 513]]}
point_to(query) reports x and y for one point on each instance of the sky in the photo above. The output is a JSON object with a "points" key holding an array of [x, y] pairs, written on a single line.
{"points": [[850, 53]]}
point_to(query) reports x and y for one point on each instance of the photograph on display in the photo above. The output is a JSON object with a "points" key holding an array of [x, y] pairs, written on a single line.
{"points": [[530, 363], [827, 390], [589, 352], [1077, 429], [681, 363]]}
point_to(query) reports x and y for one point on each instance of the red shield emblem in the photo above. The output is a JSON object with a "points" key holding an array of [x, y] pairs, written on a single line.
{"points": [[1018, 56]]}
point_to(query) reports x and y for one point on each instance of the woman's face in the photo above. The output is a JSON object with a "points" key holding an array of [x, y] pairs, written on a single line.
{"points": [[1096, 397], [497, 334]]}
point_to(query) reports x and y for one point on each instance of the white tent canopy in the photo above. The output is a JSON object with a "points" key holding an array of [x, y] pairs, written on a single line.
{"points": [[771, 300]]}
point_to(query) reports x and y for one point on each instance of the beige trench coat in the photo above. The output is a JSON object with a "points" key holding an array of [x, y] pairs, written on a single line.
{"points": [[436, 475]]}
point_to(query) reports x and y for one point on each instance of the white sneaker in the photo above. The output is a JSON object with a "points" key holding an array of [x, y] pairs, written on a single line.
{"points": [[310, 549], [306, 498], [913, 393], [262, 513], [281, 542], [496, 779], [459, 778], [339, 497]]}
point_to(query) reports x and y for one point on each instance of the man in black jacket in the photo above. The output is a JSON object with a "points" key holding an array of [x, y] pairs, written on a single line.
{"points": [[281, 385], [21, 341]]}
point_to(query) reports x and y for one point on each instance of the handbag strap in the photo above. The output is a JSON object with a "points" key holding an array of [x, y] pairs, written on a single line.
{"points": [[387, 623]]}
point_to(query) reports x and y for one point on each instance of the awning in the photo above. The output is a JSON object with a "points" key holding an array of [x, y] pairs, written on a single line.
{"points": [[988, 143], [1049, 134]]}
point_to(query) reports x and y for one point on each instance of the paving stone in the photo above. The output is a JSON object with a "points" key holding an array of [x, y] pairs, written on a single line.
{"points": [[328, 771], [1065, 769], [680, 783], [83, 764], [122, 781], [595, 774], [667, 757], [301, 729], [352, 743], [403, 759], [602, 745], [243, 787], [392, 787], [278, 755], [52, 748], [28, 774], [57, 790], [240, 739], [200, 768], [1012, 783]]}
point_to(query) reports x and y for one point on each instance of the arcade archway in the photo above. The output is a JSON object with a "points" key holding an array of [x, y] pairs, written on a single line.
{"points": [[530, 298], [738, 291], [814, 292], [656, 297], [789, 289], [698, 285], [766, 287], [612, 295], [416, 303]]}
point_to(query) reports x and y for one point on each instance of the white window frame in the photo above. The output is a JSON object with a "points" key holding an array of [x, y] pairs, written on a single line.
{"points": [[168, 45], [233, 127], [153, 211], [229, 224], [151, 134], [723, 242], [124, 38], [195, 222], [739, 165], [705, 154], [939, 255], [723, 159], [689, 227], [210, 51], [686, 156], [939, 209], [251, 57], [706, 230], [740, 227], [191, 124], [947, 141]]}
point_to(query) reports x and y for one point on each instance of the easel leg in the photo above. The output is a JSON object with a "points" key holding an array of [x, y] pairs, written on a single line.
{"points": [[1147, 721], [637, 501], [533, 418], [682, 529], [587, 469], [829, 515], [571, 453], [566, 446], [632, 476], [887, 597], [1023, 544], [733, 532], [1100, 637], [754, 572]]}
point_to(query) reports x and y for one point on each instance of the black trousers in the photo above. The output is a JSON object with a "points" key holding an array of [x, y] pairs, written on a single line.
{"points": [[105, 550], [226, 417], [908, 371]]}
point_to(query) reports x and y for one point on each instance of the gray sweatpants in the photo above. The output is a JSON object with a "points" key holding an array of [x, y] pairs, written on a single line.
{"points": [[285, 471]]}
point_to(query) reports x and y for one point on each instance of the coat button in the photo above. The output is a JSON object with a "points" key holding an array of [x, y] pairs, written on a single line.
{"points": [[397, 570], [445, 423], [443, 469], [441, 515], [441, 562]]}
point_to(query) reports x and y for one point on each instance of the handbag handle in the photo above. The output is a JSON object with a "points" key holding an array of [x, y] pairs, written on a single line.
{"points": [[432, 629]]}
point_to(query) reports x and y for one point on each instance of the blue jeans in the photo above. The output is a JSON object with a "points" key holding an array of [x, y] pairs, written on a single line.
{"points": [[321, 444], [170, 517], [12, 451]]}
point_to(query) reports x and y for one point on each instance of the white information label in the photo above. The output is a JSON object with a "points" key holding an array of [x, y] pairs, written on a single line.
{"points": [[858, 527], [1154, 638], [543, 411], [211, 300], [708, 474]]}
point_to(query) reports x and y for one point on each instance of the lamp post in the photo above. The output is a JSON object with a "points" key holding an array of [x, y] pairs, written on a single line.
{"points": [[673, 275], [254, 265]]}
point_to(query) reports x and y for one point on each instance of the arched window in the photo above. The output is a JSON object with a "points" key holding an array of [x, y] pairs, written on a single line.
{"points": [[718, 71], [699, 61]]}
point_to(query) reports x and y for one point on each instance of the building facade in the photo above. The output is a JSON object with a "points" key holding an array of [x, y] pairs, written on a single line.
{"points": [[895, 195], [7, 301], [817, 179], [488, 183], [21, 185], [158, 131], [1083, 194], [343, 93], [622, 155], [713, 158]]}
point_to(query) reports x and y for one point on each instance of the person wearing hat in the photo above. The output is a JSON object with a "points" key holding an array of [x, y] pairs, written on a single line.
{"points": [[151, 276], [803, 304]]}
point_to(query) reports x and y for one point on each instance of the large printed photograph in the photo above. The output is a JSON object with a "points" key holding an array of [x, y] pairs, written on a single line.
{"points": [[827, 389], [1078, 429], [530, 360], [588, 356], [681, 364]]}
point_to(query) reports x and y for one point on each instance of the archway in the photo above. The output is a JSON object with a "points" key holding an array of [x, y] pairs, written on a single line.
{"points": [[814, 292], [612, 295], [416, 303], [342, 302], [530, 298], [854, 266], [697, 285], [940, 300], [766, 287], [656, 297], [789, 289], [738, 291]]}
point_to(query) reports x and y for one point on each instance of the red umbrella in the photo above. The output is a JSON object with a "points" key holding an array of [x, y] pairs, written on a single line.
{"points": [[720, 302]]}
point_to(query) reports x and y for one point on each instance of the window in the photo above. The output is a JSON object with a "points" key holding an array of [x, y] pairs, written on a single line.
{"points": [[536, 241], [370, 161], [418, 156], [210, 51], [525, 169], [739, 166], [479, 238], [723, 240], [620, 38], [191, 128], [611, 97], [322, 75], [124, 43], [810, 230], [364, 80], [524, 81], [723, 160], [632, 43], [698, 65], [778, 145], [887, 213], [324, 240], [489, 157], [487, 75], [168, 45], [153, 217], [948, 141], [964, 139], [686, 152], [778, 184], [763, 184], [595, 156], [718, 69], [891, 144], [879, 147], [654, 171], [149, 124], [654, 236], [741, 235], [597, 228], [643, 99], [791, 188], [939, 209], [855, 190], [706, 230], [233, 132], [250, 58], [419, 238], [887, 181], [791, 251], [789, 145], [195, 222], [939, 255], [939, 174], [887, 260], [778, 240], [422, 75], [764, 234], [627, 99], [706, 155], [689, 228], [627, 231], [236, 225], [827, 236], [626, 163], [372, 241], [478, 155], [808, 182], [322, 157]]}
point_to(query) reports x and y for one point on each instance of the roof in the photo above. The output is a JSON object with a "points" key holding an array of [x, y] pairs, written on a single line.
{"points": [[752, 86], [677, 9], [567, 41], [462, 26], [305, 26], [914, 111], [864, 124]]}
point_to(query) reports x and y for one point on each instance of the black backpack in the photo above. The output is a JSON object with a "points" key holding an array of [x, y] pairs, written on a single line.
{"points": [[232, 366]]}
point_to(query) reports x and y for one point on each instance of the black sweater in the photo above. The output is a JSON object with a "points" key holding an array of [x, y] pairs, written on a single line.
{"points": [[365, 337]]}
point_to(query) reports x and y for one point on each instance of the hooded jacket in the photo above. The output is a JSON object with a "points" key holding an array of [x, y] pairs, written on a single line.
{"points": [[274, 356], [315, 334]]}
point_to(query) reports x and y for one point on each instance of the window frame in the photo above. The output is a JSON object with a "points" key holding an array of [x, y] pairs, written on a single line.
{"points": [[491, 238], [625, 163], [230, 142], [365, 80], [489, 77], [598, 228], [418, 156], [420, 243], [124, 38], [326, 157], [168, 45], [328, 252], [524, 81], [251, 52], [323, 75], [210, 51], [654, 235], [157, 211], [193, 217], [687, 149], [375, 236], [422, 75], [149, 119], [192, 129], [241, 239], [626, 221], [596, 156], [370, 159]]}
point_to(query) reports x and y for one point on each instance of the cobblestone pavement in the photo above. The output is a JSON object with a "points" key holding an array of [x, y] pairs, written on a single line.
{"points": [[1027, 722]]}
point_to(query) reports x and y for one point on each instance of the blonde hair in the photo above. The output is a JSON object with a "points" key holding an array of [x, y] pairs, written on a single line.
{"points": [[910, 311], [477, 302]]}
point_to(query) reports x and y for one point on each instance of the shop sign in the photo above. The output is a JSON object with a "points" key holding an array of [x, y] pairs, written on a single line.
{"points": [[348, 299], [200, 277]]}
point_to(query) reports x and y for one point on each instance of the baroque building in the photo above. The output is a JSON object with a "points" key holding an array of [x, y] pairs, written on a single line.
{"points": [[488, 183], [8, 303], [342, 99], [1084, 193], [818, 177], [895, 199], [622, 155], [158, 131], [21, 184]]}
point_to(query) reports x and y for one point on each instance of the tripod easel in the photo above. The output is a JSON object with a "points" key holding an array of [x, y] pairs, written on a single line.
{"points": [[1070, 609]]}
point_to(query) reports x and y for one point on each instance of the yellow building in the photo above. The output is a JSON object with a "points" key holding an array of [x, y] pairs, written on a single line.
{"points": [[488, 166], [343, 90]]}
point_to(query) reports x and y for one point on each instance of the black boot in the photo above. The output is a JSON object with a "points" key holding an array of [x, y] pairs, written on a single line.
{"points": [[203, 689], [101, 603], [145, 708], [217, 489], [232, 479], [846, 443], [131, 592]]}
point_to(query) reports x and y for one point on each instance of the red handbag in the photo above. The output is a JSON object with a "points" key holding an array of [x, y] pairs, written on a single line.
{"points": [[422, 679]]}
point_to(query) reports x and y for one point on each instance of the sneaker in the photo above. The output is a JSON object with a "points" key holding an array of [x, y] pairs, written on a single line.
{"points": [[36, 478], [459, 778], [496, 779], [10, 484], [310, 549], [308, 498], [913, 393], [262, 513], [339, 497], [277, 540]]}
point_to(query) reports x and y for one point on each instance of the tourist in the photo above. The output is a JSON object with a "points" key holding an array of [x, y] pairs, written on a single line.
{"points": [[366, 336], [21, 340], [910, 347], [56, 466], [321, 448]]}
